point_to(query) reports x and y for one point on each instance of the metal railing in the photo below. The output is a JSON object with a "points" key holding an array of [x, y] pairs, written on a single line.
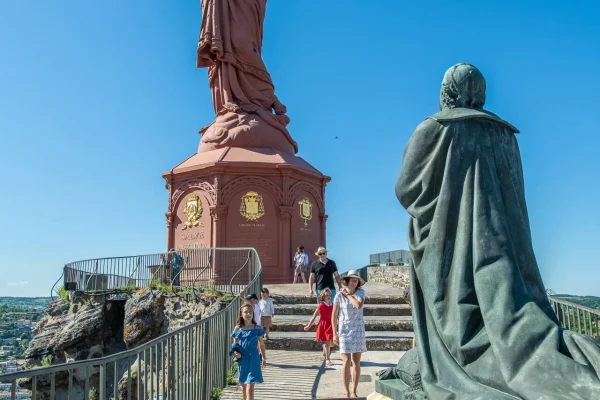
{"points": [[396, 257], [576, 318], [362, 272], [188, 363], [197, 267]]}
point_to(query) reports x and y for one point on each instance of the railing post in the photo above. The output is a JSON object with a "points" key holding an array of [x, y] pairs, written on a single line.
{"points": [[204, 383]]}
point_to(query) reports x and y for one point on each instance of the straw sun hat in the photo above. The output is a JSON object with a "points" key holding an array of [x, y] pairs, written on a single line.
{"points": [[354, 274], [321, 250]]}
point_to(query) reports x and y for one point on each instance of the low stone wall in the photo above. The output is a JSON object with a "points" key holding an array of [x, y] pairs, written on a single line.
{"points": [[396, 276]]}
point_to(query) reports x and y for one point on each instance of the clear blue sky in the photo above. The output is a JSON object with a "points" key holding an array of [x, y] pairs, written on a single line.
{"points": [[98, 98]]}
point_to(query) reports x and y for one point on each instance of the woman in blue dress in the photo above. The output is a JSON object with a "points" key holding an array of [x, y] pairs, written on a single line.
{"points": [[249, 336]]}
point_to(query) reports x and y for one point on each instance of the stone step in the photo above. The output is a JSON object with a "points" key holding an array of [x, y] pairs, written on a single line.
{"points": [[394, 341], [392, 388], [369, 309], [302, 299], [296, 323]]}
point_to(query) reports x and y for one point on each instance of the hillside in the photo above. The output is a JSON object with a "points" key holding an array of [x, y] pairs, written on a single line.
{"points": [[24, 302], [586, 301]]}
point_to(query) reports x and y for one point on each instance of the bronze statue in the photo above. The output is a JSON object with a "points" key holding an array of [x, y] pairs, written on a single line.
{"points": [[484, 326], [248, 113]]}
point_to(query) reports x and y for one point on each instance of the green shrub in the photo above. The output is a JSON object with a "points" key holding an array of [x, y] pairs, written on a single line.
{"points": [[216, 394], [62, 293], [157, 284], [47, 360], [227, 297], [130, 288], [232, 375]]}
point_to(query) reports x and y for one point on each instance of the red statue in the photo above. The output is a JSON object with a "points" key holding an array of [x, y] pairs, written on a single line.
{"points": [[249, 114]]}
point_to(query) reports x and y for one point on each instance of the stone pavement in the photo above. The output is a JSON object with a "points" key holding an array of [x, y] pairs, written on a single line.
{"points": [[303, 375]]}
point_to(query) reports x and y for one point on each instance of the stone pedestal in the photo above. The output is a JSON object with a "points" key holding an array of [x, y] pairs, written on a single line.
{"points": [[248, 197]]}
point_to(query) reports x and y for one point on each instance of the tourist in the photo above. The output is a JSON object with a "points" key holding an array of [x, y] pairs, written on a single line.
{"points": [[267, 310], [300, 264], [252, 299], [248, 337], [324, 329], [177, 266], [323, 271], [349, 328]]}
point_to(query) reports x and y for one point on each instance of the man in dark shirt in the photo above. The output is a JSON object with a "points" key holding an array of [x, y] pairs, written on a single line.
{"points": [[323, 271]]}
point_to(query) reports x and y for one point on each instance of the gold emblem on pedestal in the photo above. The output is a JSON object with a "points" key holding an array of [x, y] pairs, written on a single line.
{"points": [[252, 207], [193, 211], [305, 210]]}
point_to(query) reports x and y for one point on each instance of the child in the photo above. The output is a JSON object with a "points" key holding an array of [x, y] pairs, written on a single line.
{"points": [[249, 336], [324, 329], [252, 299], [267, 310]]}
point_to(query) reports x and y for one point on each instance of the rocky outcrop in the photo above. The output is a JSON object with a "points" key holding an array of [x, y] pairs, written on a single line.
{"points": [[144, 317], [149, 314], [97, 325], [86, 327]]}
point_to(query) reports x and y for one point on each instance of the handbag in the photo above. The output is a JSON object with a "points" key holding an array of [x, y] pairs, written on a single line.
{"points": [[236, 347]]}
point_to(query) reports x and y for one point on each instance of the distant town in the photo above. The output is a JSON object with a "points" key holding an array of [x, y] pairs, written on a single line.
{"points": [[18, 317]]}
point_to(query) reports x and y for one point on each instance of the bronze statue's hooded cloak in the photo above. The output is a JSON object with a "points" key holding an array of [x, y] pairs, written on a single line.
{"points": [[483, 323]]}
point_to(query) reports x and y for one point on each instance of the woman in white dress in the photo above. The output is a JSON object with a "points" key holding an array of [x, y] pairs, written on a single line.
{"points": [[348, 323]]}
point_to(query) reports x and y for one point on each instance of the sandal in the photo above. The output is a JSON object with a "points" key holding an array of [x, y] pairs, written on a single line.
{"points": [[328, 363], [354, 395]]}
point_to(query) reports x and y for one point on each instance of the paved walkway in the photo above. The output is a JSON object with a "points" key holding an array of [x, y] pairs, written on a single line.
{"points": [[302, 375], [297, 373]]}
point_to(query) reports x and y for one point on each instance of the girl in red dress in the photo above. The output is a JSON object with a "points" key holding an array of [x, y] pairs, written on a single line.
{"points": [[324, 329]]}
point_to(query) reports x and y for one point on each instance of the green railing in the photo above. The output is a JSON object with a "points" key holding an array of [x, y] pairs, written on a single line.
{"points": [[577, 318], [186, 364]]}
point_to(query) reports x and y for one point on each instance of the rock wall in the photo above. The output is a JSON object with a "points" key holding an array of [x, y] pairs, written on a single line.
{"points": [[97, 325], [396, 276]]}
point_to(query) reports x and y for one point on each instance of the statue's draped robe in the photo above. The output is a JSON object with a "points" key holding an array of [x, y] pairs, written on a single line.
{"points": [[483, 323], [244, 99], [230, 46]]}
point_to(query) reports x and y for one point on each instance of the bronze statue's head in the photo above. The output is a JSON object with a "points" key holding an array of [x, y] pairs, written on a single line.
{"points": [[463, 86]]}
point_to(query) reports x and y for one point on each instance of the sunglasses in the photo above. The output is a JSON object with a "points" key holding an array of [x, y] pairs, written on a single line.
{"points": [[322, 254]]}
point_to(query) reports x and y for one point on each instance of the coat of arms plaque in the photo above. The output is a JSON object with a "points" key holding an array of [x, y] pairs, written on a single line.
{"points": [[305, 210], [252, 207], [193, 211]]}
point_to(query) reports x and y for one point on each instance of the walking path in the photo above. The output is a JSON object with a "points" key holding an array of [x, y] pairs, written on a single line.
{"points": [[295, 368], [302, 375]]}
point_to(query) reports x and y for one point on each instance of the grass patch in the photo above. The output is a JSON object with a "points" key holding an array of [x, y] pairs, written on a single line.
{"points": [[216, 394], [157, 284], [62, 293], [47, 361], [232, 375], [130, 288], [227, 297]]}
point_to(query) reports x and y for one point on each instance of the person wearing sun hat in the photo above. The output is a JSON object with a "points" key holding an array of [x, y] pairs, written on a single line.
{"points": [[322, 272], [348, 324]]}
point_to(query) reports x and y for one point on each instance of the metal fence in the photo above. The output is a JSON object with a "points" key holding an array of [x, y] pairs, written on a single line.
{"points": [[187, 268], [396, 257], [189, 363], [577, 318]]}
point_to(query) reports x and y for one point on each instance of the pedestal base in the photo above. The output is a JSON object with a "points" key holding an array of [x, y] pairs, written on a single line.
{"points": [[240, 197]]}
